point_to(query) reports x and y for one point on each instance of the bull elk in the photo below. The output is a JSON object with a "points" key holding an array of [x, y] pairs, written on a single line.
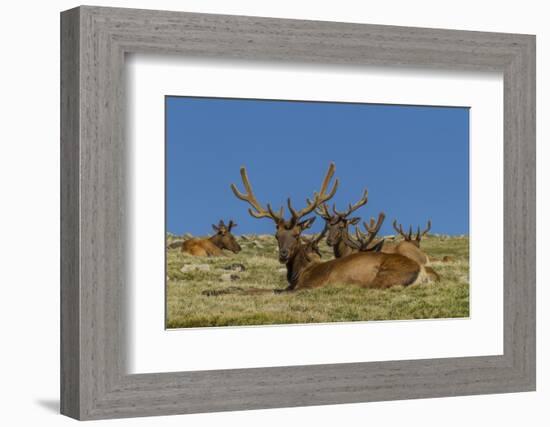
{"points": [[338, 226], [410, 246], [213, 246], [366, 269]]}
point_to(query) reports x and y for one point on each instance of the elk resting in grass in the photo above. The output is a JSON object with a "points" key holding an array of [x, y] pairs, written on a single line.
{"points": [[213, 246], [410, 246]]}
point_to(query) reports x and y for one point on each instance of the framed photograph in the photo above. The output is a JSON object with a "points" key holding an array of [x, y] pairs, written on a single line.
{"points": [[262, 213]]}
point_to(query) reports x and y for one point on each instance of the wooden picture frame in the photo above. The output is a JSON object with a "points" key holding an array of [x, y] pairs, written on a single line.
{"points": [[94, 382]]}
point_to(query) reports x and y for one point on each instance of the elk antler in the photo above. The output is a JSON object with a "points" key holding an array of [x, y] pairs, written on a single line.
{"points": [[231, 225], [323, 212], [363, 241], [362, 201], [313, 243], [259, 211], [315, 240], [318, 198], [406, 236], [419, 234]]}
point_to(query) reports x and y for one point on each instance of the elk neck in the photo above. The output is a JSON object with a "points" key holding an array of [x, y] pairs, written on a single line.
{"points": [[341, 249], [216, 239], [296, 265]]}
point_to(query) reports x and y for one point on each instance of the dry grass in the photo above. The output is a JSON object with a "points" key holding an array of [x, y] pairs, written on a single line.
{"points": [[188, 307]]}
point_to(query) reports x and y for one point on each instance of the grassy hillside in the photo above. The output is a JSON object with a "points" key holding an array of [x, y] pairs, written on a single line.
{"points": [[188, 277]]}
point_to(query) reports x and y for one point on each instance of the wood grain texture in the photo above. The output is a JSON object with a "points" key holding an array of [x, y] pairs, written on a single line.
{"points": [[70, 291], [94, 382]]}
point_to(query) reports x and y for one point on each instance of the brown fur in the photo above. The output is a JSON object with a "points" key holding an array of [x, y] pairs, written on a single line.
{"points": [[337, 240], [305, 270], [408, 249], [201, 247], [223, 239], [364, 269], [413, 252]]}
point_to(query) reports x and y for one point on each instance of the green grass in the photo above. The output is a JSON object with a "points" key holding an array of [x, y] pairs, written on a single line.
{"points": [[188, 307]]}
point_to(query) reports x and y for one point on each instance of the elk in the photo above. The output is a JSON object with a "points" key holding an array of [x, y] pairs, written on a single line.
{"points": [[362, 241], [311, 246], [213, 246], [410, 247], [338, 223], [366, 269]]}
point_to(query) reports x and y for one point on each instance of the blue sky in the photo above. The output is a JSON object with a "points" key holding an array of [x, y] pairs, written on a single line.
{"points": [[414, 160]]}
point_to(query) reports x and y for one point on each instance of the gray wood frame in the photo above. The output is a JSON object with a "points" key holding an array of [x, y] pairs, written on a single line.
{"points": [[94, 382]]}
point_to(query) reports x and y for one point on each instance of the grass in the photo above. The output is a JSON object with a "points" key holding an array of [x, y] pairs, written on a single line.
{"points": [[188, 277]]}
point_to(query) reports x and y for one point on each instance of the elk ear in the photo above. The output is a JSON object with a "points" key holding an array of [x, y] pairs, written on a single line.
{"points": [[216, 229], [305, 224], [354, 221]]}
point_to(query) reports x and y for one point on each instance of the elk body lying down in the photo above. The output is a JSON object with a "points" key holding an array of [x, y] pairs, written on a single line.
{"points": [[365, 269], [213, 246]]}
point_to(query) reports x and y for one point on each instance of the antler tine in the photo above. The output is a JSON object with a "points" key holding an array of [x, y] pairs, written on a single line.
{"points": [[259, 211], [363, 241], [318, 198], [337, 212], [374, 227], [322, 211], [361, 202], [326, 182], [420, 234], [278, 215], [428, 227], [291, 209], [320, 236], [409, 236], [400, 229]]}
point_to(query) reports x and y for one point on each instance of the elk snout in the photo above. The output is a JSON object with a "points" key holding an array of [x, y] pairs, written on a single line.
{"points": [[284, 254], [332, 239]]}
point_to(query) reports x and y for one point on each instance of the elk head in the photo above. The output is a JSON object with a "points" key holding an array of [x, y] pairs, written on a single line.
{"points": [[362, 240], [408, 236], [287, 232], [338, 222], [311, 246], [223, 237]]}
